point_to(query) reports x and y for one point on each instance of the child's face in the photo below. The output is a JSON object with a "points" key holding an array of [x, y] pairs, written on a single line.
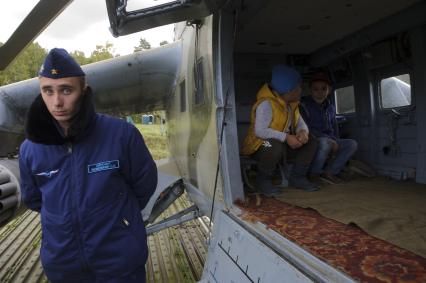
{"points": [[293, 95], [319, 91]]}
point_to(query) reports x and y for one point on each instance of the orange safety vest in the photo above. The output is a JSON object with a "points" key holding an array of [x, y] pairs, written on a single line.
{"points": [[279, 118]]}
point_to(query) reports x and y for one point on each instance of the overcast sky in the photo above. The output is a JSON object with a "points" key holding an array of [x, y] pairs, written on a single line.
{"points": [[81, 26]]}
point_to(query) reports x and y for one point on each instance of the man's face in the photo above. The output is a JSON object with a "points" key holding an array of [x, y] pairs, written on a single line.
{"points": [[293, 95], [319, 91], [62, 97]]}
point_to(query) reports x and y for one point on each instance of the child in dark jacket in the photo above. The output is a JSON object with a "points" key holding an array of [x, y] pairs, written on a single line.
{"points": [[320, 115]]}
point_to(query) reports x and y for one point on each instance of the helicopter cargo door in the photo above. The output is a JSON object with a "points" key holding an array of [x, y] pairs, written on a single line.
{"points": [[235, 255], [126, 18]]}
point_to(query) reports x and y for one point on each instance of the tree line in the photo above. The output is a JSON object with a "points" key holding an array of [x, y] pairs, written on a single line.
{"points": [[29, 61]]}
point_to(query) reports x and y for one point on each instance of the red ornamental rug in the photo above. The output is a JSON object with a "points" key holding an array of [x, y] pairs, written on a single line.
{"points": [[346, 247]]}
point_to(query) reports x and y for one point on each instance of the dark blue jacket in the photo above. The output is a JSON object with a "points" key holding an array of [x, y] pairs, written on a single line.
{"points": [[320, 118], [90, 189]]}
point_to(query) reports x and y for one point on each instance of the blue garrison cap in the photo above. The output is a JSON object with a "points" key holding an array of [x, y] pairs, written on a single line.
{"points": [[284, 79], [59, 64]]}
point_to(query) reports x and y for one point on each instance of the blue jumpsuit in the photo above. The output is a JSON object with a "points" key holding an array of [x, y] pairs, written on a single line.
{"points": [[90, 190]]}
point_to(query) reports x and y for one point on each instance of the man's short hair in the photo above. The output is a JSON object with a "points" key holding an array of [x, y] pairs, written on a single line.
{"points": [[82, 81]]}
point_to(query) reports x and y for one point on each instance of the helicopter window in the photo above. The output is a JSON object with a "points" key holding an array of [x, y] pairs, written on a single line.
{"points": [[345, 100], [199, 82], [136, 5], [395, 91], [182, 96]]}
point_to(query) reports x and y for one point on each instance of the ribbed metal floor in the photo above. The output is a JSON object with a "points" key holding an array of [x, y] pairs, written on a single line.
{"points": [[177, 254]]}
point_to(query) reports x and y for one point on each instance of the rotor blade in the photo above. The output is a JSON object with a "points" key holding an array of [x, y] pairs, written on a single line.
{"points": [[37, 20]]}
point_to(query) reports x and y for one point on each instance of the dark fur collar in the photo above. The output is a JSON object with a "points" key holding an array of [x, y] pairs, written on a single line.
{"points": [[40, 126]]}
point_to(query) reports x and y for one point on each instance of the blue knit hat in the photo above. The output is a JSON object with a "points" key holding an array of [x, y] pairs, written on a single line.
{"points": [[59, 64], [284, 79]]}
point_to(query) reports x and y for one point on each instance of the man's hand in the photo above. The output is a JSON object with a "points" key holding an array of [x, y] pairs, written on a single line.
{"points": [[293, 141], [334, 145], [302, 136]]}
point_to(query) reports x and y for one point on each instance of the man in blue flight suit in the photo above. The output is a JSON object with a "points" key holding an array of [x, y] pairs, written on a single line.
{"points": [[89, 176]]}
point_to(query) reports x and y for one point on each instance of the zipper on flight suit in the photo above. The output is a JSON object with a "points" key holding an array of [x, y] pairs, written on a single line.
{"points": [[76, 216], [69, 146]]}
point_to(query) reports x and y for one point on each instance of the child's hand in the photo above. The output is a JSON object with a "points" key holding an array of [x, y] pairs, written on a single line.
{"points": [[293, 141], [302, 136]]}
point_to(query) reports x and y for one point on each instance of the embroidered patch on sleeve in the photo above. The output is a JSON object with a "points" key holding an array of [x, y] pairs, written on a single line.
{"points": [[48, 174], [103, 166]]}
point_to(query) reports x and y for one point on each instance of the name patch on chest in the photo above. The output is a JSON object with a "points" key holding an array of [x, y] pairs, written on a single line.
{"points": [[103, 166]]}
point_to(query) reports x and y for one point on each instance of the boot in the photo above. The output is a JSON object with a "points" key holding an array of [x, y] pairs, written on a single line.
{"points": [[264, 184], [330, 178], [298, 178], [316, 179]]}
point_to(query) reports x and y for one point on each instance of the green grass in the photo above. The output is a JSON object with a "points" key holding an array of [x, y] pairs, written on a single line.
{"points": [[155, 140]]}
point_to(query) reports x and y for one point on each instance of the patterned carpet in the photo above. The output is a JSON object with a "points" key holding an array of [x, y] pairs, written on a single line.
{"points": [[346, 247]]}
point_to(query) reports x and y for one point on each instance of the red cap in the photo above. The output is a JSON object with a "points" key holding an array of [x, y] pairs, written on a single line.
{"points": [[320, 76]]}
